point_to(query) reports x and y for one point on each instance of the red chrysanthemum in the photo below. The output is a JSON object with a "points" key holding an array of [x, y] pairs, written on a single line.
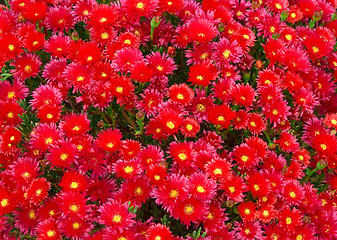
{"points": [[226, 52], [62, 154], [171, 120], [247, 211], [182, 153], [7, 201], [234, 188], [44, 136], [245, 156], [26, 65], [128, 169], [325, 144], [171, 191], [202, 74], [290, 218], [115, 215], [73, 181], [221, 115], [60, 18], [190, 210], [75, 124], [243, 95], [38, 190], [190, 127], [201, 30], [74, 227], [103, 15], [295, 59], [181, 94], [218, 168], [258, 185], [202, 187], [109, 140], [141, 72], [78, 76], [48, 230], [162, 64], [158, 231], [72, 204], [58, 46], [135, 9]]}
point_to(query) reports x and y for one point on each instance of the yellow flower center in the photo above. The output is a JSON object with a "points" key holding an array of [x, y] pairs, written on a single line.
{"points": [[63, 156], [74, 185], [48, 140], [128, 169], [11, 95], [74, 208], [117, 218], [76, 225], [201, 189], [174, 193], [10, 115], [217, 171], [170, 125], [323, 146], [231, 189], [288, 220], [226, 54], [189, 209], [51, 233], [140, 5], [4, 202], [182, 156], [244, 158]]}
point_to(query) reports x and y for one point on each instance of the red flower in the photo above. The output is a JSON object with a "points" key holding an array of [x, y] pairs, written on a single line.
{"points": [[202, 187], [141, 72], [182, 153], [62, 154], [325, 144], [181, 94], [109, 140], [75, 124], [156, 173], [171, 191], [73, 181], [59, 19], [189, 127], [26, 219], [243, 95], [221, 115], [201, 30], [24, 170], [234, 188], [245, 156], [293, 192], [227, 51], [48, 230], [255, 123], [190, 210], [266, 213], [290, 219], [135, 9], [58, 46], [116, 215], [78, 76], [170, 120], [38, 190], [7, 201], [202, 74], [258, 185], [218, 169], [26, 66], [103, 15], [158, 231], [247, 211], [162, 64], [128, 169], [72, 204], [9, 113], [74, 227]]}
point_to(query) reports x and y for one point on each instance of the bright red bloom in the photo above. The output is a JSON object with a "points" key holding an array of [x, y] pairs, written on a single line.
{"points": [[75, 124], [35, 11], [190, 210], [325, 144], [255, 123], [62, 155], [128, 169], [181, 94], [9, 113], [202, 187], [171, 191], [293, 192], [103, 15], [109, 140], [78, 76], [74, 227], [243, 95], [295, 59], [59, 19], [227, 51], [247, 211], [218, 169], [116, 215], [162, 64], [248, 230], [266, 213], [171, 120], [46, 95], [156, 173], [73, 181], [24, 170], [48, 230], [290, 219], [34, 41], [182, 153], [202, 74], [26, 219], [141, 72], [201, 30], [245, 156], [72, 204], [7, 201], [158, 231], [38, 190], [26, 66], [258, 185], [44, 136], [189, 127], [221, 115], [58, 46], [234, 188], [135, 9]]}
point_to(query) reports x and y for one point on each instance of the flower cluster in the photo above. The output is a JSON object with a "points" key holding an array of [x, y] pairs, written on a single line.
{"points": [[168, 119]]}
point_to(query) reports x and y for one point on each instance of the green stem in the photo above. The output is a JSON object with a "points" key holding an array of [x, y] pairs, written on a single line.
{"points": [[268, 139]]}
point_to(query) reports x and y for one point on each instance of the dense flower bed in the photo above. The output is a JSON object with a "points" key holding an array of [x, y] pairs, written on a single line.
{"points": [[168, 119]]}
